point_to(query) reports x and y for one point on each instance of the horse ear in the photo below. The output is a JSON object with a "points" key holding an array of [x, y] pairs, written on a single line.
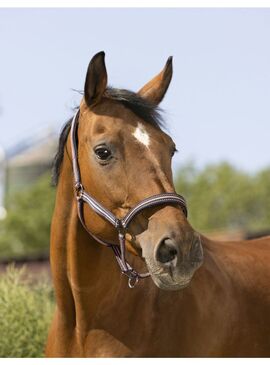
{"points": [[155, 90], [96, 79]]}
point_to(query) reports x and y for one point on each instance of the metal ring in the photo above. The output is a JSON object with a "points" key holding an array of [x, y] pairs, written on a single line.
{"points": [[132, 281]]}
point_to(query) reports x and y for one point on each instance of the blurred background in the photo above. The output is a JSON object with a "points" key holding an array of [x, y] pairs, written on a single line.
{"points": [[217, 110]]}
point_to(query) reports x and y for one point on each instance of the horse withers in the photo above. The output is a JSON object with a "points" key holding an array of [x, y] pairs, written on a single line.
{"points": [[203, 298]]}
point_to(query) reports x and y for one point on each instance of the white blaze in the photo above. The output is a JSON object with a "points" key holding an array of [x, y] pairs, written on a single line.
{"points": [[141, 135]]}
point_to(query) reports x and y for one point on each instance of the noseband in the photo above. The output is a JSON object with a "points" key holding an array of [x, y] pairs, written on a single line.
{"points": [[121, 225]]}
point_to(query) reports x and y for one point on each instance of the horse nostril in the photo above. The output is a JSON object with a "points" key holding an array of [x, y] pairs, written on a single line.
{"points": [[166, 251]]}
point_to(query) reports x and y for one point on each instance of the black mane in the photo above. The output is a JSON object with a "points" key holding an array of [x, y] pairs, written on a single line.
{"points": [[58, 158], [145, 110]]}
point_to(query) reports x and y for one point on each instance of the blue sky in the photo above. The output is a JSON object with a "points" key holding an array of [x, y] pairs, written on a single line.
{"points": [[218, 105]]}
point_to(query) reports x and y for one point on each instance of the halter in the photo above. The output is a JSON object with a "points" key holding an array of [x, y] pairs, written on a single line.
{"points": [[121, 225]]}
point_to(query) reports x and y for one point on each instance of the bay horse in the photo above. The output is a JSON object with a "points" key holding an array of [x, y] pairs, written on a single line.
{"points": [[203, 298]]}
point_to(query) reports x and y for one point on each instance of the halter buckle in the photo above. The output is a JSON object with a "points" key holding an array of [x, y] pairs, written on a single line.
{"points": [[78, 190]]}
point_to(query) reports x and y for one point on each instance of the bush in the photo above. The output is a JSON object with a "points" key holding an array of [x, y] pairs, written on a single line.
{"points": [[26, 230], [25, 314]]}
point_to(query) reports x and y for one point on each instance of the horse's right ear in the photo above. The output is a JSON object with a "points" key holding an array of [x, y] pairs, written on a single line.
{"points": [[96, 79]]}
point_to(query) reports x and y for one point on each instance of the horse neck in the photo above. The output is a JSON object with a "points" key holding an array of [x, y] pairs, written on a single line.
{"points": [[78, 262]]}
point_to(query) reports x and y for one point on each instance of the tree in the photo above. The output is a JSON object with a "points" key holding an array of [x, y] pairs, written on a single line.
{"points": [[221, 196], [26, 229]]}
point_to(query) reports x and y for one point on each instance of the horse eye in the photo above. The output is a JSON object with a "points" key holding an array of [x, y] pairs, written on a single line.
{"points": [[103, 153], [174, 151]]}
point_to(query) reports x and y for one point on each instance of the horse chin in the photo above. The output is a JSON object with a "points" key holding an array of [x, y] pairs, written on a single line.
{"points": [[170, 280], [169, 285]]}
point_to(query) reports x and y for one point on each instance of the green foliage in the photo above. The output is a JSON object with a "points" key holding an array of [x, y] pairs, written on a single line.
{"points": [[26, 229], [25, 314], [221, 196]]}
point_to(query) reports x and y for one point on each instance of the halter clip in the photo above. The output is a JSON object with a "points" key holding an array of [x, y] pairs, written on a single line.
{"points": [[132, 281]]}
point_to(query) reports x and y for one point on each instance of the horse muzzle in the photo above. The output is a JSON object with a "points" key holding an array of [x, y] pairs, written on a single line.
{"points": [[173, 264]]}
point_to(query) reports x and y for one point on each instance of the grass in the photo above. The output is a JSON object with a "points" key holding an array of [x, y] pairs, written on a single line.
{"points": [[26, 309]]}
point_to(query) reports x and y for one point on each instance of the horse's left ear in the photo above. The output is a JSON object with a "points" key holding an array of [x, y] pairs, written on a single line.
{"points": [[155, 90], [96, 79]]}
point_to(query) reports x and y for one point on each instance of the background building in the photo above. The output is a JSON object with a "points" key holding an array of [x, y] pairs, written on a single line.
{"points": [[25, 162]]}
